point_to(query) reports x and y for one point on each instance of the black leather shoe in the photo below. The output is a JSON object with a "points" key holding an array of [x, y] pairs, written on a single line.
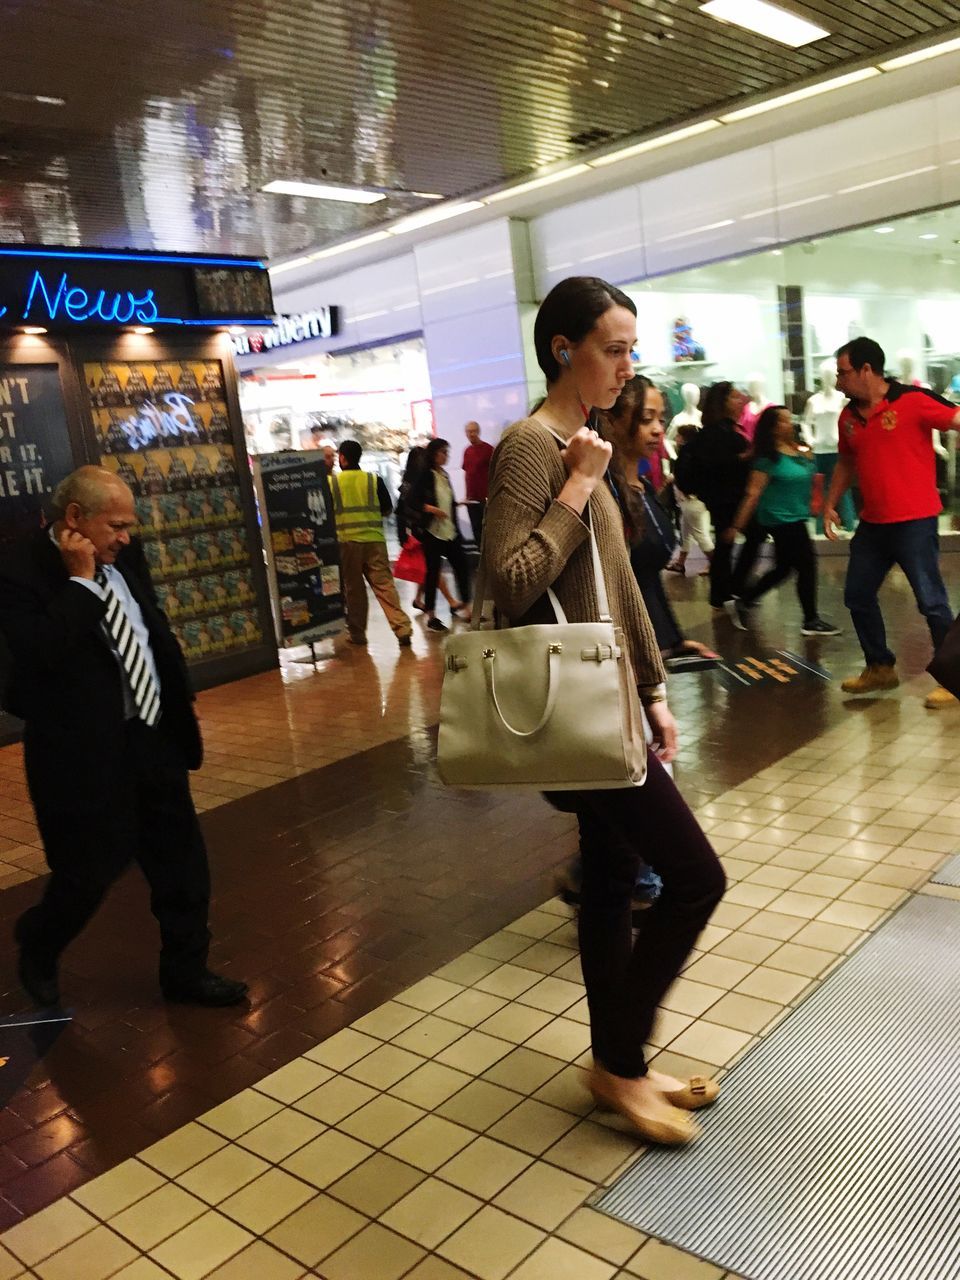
{"points": [[206, 988], [37, 977]]}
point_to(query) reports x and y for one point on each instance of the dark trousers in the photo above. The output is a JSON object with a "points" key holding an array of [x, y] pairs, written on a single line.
{"points": [[664, 622], [914, 545], [626, 977], [435, 550], [149, 817], [726, 577], [793, 552], [475, 512]]}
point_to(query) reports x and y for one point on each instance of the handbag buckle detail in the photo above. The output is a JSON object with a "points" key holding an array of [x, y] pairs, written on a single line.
{"points": [[600, 653], [555, 648], [489, 653], [455, 662]]}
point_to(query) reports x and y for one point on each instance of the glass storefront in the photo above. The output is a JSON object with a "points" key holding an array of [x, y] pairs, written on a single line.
{"points": [[771, 321]]}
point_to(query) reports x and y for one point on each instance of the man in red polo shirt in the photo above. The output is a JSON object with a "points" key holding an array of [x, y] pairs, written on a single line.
{"points": [[886, 441], [476, 470]]}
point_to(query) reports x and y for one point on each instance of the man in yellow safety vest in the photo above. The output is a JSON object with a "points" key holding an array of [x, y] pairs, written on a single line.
{"points": [[360, 501]]}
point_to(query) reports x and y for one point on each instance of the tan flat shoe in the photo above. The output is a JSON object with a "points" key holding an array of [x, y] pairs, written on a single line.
{"points": [[673, 1127], [698, 1092]]}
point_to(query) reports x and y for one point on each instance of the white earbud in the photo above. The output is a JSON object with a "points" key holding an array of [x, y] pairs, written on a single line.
{"points": [[565, 357]]}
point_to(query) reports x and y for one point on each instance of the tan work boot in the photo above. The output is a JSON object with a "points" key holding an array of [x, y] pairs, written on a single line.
{"points": [[939, 699], [877, 675]]}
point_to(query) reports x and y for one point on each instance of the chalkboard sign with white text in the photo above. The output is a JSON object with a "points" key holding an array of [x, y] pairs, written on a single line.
{"points": [[35, 448]]}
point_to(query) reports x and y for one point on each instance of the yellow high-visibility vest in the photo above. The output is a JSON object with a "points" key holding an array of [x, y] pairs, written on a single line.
{"points": [[356, 507]]}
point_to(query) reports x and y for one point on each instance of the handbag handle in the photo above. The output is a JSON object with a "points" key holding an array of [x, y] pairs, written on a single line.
{"points": [[553, 688]]}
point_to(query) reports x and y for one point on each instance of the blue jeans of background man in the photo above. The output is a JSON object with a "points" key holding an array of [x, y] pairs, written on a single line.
{"points": [[914, 545]]}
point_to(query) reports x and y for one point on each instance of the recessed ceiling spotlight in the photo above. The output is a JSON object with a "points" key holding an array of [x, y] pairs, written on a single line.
{"points": [[766, 20], [884, 231], [34, 329], [141, 328], [930, 235], [236, 329]]}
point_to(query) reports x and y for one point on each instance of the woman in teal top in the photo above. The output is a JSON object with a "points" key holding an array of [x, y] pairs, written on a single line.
{"points": [[779, 491]]}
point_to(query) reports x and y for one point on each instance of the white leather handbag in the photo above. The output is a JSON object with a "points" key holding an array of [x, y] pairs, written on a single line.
{"points": [[553, 707]]}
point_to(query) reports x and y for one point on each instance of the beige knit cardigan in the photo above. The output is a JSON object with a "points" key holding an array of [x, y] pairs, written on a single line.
{"points": [[531, 542]]}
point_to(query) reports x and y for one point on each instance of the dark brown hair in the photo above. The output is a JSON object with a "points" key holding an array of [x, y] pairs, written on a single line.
{"points": [[628, 410], [572, 308]]}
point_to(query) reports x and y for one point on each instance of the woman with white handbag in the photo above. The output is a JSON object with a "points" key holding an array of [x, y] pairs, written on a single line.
{"points": [[554, 553]]}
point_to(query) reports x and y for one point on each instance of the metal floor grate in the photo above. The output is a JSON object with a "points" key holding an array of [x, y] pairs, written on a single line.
{"points": [[949, 873], [834, 1152]]}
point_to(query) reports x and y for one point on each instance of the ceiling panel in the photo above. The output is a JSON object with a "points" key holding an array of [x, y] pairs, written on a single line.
{"points": [[176, 112]]}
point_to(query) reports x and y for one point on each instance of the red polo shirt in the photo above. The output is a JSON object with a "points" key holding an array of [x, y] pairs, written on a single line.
{"points": [[893, 452], [476, 469]]}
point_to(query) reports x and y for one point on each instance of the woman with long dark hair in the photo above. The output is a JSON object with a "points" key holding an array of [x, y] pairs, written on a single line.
{"points": [[721, 465], [778, 491], [548, 492], [441, 537]]}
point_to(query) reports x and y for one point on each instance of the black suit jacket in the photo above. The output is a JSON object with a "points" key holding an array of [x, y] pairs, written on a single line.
{"points": [[65, 681]]}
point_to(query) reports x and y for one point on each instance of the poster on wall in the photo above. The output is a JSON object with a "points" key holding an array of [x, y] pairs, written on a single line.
{"points": [[35, 449], [163, 427], [302, 545]]}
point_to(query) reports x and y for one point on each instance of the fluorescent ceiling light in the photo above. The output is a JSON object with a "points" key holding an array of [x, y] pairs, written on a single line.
{"points": [[884, 231], [652, 144], [438, 214], [323, 191], [766, 20], [930, 235], [798, 95], [534, 183], [356, 243], [920, 55], [881, 182], [43, 98]]}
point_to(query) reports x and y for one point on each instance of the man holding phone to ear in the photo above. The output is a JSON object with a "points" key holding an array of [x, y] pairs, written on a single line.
{"points": [[99, 679]]}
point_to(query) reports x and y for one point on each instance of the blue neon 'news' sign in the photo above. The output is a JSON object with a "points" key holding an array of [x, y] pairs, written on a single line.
{"points": [[77, 304]]}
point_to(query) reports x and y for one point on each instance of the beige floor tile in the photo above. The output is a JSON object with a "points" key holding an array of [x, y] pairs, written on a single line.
{"points": [[827, 937], [543, 957], [327, 1158], [728, 915], [516, 1023], [773, 985], [802, 960], [592, 1151], [116, 1190], [805, 905], [471, 1007], [544, 1195], [750, 895], [484, 1168], [744, 1013], [479, 1105], [372, 1187], [568, 1090], [535, 924], [10, 1267], [562, 1038], [533, 1126], [381, 1120], [523, 1070], [339, 1097], [491, 1244], [571, 971], [346, 1047], [468, 969], [202, 1246], [851, 915], [433, 1268], [95, 1256], [266, 1201], [817, 842], [667, 1027], [797, 859], [656, 1261], [183, 1148], [320, 1227], [692, 998], [160, 1214], [580, 1012], [774, 877], [430, 1143], [919, 859], [827, 886], [508, 981], [710, 1042], [717, 971], [771, 924], [429, 994], [553, 995], [875, 895], [258, 1262], [898, 877], [294, 1080], [428, 1036], [557, 1260], [430, 1085], [374, 1254], [474, 1053], [281, 1135], [389, 1019], [431, 1212], [500, 946], [142, 1268], [385, 1066], [751, 948], [711, 936], [239, 1114], [612, 1240], [223, 1173]]}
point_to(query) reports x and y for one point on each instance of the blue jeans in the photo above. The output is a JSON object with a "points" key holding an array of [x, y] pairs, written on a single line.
{"points": [[914, 545]]}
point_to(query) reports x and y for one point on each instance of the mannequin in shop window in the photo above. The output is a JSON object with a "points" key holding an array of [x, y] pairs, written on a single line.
{"points": [[819, 428], [690, 414], [757, 402]]}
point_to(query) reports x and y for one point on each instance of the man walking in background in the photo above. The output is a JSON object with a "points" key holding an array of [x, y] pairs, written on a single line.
{"points": [[476, 470], [360, 501]]}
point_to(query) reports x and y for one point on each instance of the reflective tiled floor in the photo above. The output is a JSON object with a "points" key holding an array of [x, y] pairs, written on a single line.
{"points": [[405, 1095]]}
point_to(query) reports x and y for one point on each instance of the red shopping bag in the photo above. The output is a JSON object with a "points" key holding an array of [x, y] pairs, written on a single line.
{"points": [[411, 565]]}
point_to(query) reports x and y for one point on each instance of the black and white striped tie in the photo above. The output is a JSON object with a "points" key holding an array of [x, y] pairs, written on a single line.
{"points": [[143, 686]]}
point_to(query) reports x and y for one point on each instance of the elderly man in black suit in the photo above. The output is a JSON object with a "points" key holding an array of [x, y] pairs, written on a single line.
{"points": [[101, 684]]}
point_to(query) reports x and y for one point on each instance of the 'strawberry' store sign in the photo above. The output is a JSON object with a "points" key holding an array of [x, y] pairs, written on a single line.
{"points": [[324, 322]]}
